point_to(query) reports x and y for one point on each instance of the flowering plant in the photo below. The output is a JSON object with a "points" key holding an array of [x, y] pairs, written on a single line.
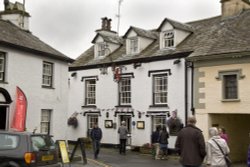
{"points": [[72, 121]]}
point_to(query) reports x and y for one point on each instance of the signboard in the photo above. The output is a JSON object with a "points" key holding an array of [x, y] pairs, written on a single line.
{"points": [[63, 151]]}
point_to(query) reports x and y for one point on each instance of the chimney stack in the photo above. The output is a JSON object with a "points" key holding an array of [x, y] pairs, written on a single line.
{"points": [[106, 24], [16, 14], [233, 7]]}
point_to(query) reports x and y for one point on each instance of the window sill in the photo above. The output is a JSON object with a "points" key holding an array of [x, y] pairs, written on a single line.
{"points": [[128, 106], [158, 105], [47, 87], [89, 106], [230, 100]]}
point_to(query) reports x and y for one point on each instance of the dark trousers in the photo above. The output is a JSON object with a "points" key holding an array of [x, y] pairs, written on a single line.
{"points": [[123, 145], [96, 147]]}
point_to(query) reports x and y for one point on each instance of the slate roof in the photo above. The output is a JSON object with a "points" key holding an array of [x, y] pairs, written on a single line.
{"points": [[143, 33], [13, 36], [109, 38], [212, 36]]}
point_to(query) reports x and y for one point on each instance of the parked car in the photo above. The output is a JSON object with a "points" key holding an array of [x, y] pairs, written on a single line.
{"points": [[23, 149]]}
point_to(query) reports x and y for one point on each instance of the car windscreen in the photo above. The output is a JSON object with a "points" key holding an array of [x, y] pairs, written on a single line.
{"points": [[8, 141], [42, 142]]}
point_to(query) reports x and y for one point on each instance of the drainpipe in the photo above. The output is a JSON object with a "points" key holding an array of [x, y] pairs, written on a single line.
{"points": [[186, 92], [188, 64]]}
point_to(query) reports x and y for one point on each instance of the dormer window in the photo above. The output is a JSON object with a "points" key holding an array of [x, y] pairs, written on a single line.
{"points": [[168, 39], [101, 49], [133, 45]]}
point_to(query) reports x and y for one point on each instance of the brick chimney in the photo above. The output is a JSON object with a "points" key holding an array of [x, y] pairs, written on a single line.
{"points": [[15, 13], [233, 7]]}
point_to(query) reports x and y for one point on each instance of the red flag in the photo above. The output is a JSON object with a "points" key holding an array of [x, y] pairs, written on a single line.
{"points": [[19, 118]]}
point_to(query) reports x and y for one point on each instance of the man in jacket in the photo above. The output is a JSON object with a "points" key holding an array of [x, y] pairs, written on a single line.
{"points": [[123, 131], [190, 144], [96, 136]]}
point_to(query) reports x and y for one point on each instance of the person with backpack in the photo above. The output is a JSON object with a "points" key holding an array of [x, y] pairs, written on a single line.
{"points": [[96, 136]]}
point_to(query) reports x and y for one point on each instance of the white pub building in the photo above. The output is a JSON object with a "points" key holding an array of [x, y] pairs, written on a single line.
{"points": [[141, 78]]}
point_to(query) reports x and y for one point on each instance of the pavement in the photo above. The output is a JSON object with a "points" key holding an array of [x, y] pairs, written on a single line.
{"points": [[112, 158]]}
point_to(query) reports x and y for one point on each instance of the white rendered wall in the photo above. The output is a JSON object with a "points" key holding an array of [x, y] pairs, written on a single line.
{"points": [[25, 71]]}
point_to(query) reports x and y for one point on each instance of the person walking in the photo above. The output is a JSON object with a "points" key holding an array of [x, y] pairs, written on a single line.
{"points": [[163, 140], [155, 142], [190, 144], [96, 136], [123, 131], [216, 149]]}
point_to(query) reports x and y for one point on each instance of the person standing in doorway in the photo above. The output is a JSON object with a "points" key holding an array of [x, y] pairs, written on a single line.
{"points": [[96, 136], [155, 142], [123, 131], [190, 144]]}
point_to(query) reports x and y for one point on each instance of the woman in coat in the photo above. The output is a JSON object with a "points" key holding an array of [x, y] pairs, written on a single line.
{"points": [[215, 157]]}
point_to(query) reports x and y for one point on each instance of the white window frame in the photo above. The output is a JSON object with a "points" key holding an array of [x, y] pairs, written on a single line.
{"points": [[125, 91], [92, 119], [45, 121], [101, 49], [90, 92], [133, 45], [47, 74], [168, 39], [2, 67], [160, 89], [158, 120]]}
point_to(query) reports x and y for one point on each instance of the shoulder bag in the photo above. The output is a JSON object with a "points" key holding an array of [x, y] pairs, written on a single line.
{"points": [[226, 157]]}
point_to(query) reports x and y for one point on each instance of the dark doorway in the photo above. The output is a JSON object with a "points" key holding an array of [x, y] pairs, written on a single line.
{"points": [[3, 117]]}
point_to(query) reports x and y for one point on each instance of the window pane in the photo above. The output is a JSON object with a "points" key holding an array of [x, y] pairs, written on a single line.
{"points": [[169, 39], [92, 119], [159, 121], [230, 87], [134, 45], [90, 92], [160, 89], [47, 74], [125, 90], [2, 66], [101, 49], [8, 141], [45, 121]]}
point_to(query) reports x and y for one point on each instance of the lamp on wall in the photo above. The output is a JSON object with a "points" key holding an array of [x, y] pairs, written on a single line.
{"points": [[177, 61], [107, 114], [137, 64]]}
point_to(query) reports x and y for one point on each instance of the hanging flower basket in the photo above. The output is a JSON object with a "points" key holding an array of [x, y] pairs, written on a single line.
{"points": [[72, 121]]}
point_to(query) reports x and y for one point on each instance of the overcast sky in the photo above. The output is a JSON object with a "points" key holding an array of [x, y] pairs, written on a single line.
{"points": [[69, 25]]}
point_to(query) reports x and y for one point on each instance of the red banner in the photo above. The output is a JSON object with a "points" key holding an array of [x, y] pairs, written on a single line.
{"points": [[19, 118]]}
